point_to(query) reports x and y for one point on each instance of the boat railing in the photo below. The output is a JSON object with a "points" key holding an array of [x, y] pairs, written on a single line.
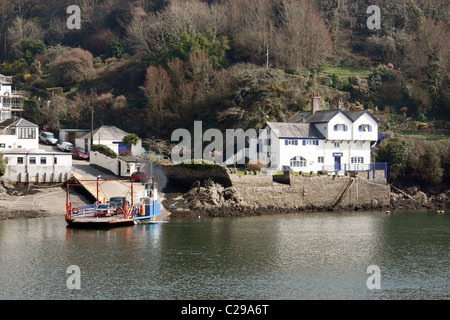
{"points": [[73, 211]]}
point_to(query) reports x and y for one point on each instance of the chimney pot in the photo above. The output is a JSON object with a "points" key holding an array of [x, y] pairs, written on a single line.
{"points": [[316, 102]]}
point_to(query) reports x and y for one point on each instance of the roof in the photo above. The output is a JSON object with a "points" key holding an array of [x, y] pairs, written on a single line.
{"points": [[106, 133], [299, 116], [355, 115], [324, 116], [295, 130], [17, 122]]}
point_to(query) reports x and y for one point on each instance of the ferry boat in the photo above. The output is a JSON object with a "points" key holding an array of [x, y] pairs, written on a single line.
{"points": [[116, 211]]}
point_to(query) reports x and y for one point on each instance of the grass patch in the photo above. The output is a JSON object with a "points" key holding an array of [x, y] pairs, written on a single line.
{"points": [[347, 71]]}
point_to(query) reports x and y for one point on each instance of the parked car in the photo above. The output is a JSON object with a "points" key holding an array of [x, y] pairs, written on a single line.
{"points": [[105, 209], [140, 176], [47, 138], [79, 153], [65, 146]]}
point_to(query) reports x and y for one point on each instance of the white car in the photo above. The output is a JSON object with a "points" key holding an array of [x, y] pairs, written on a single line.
{"points": [[47, 138], [65, 146]]}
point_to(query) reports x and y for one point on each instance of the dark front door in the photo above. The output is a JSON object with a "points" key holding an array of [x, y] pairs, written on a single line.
{"points": [[337, 163]]}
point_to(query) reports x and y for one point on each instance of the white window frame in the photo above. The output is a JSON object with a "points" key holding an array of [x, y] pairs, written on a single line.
{"points": [[357, 159], [298, 162]]}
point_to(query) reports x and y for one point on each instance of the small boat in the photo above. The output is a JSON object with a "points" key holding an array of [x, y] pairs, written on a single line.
{"points": [[117, 211]]}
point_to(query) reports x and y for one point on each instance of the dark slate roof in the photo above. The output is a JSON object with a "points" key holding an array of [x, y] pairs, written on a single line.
{"points": [[354, 115], [323, 116], [17, 122], [299, 116], [106, 133], [295, 130]]}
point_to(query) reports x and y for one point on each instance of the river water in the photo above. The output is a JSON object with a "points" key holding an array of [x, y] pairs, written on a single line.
{"points": [[295, 256]]}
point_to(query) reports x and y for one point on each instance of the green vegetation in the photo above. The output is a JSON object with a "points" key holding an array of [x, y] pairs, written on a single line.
{"points": [[2, 166], [130, 139], [415, 161], [157, 65], [104, 150]]}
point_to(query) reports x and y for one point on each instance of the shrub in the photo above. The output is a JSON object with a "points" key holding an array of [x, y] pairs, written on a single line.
{"points": [[130, 139], [104, 150]]}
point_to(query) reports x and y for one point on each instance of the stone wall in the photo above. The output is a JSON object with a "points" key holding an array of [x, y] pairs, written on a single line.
{"points": [[315, 192]]}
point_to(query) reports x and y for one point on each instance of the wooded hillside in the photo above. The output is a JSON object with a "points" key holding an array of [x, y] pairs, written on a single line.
{"points": [[151, 66]]}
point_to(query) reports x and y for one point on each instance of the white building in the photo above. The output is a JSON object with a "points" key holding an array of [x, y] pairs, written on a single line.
{"points": [[11, 102], [24, 161], [18, 133], [36, 165], [329, 140], [111, 137]]}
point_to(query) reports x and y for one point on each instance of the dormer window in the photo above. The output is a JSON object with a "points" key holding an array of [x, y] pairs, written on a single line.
{"points": [[365, 128], [340, 127]]}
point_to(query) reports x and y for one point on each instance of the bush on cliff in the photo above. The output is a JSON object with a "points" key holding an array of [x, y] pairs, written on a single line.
{"points": [[198, 164], [104, 150]]}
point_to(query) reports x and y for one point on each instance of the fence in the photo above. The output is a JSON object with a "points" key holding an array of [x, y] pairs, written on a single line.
{"points": [[370, 168]]}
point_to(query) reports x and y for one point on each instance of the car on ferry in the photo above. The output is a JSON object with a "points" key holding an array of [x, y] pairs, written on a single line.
{"points": [[105, 209]]}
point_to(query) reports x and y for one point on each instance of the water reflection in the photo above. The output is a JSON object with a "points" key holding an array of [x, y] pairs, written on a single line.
{"points": [[302, 256]]}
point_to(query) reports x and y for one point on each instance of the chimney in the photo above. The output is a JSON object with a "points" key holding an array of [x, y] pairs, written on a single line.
{"points": [[316, 102], [341, 104]]}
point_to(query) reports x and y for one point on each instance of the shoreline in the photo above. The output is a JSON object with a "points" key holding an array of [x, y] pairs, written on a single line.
{"points": [[46, 201], [49, 201]]}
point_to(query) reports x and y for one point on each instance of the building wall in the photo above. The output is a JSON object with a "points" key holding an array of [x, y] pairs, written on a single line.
{"points": [[44, 169], [338, 119], [137, 150], [13, 142], [367, 136]]}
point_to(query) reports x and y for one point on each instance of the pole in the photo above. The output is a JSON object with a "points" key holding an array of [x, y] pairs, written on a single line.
{"points": [[267, 58], [97, 190], [92, 127]]}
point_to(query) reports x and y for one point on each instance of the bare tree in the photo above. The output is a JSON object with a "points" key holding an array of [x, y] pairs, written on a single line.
{"points": [[22, 29], [157, 89]]}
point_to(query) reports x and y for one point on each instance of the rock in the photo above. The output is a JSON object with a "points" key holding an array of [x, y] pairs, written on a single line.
{"points": [[421, 197]]}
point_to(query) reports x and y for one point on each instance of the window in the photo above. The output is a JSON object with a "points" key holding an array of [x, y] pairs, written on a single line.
{"points": [[43, 160], [2, 145], [320, 160], [340, 127], [298, 162], [365, 128], [19, 160], [359, 144], [55, 160], [310, 142], [290, 142], [336, 144], [357, 160], [32, 160], [27, 133]]}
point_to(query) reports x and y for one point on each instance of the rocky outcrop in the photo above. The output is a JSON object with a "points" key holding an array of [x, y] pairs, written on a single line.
{"points": [[208, 198]]}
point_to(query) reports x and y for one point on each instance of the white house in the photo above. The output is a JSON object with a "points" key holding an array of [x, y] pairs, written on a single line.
{"points": [[331, 140], [110, 136], [11, 101], [18, 133], [36, 165]]}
